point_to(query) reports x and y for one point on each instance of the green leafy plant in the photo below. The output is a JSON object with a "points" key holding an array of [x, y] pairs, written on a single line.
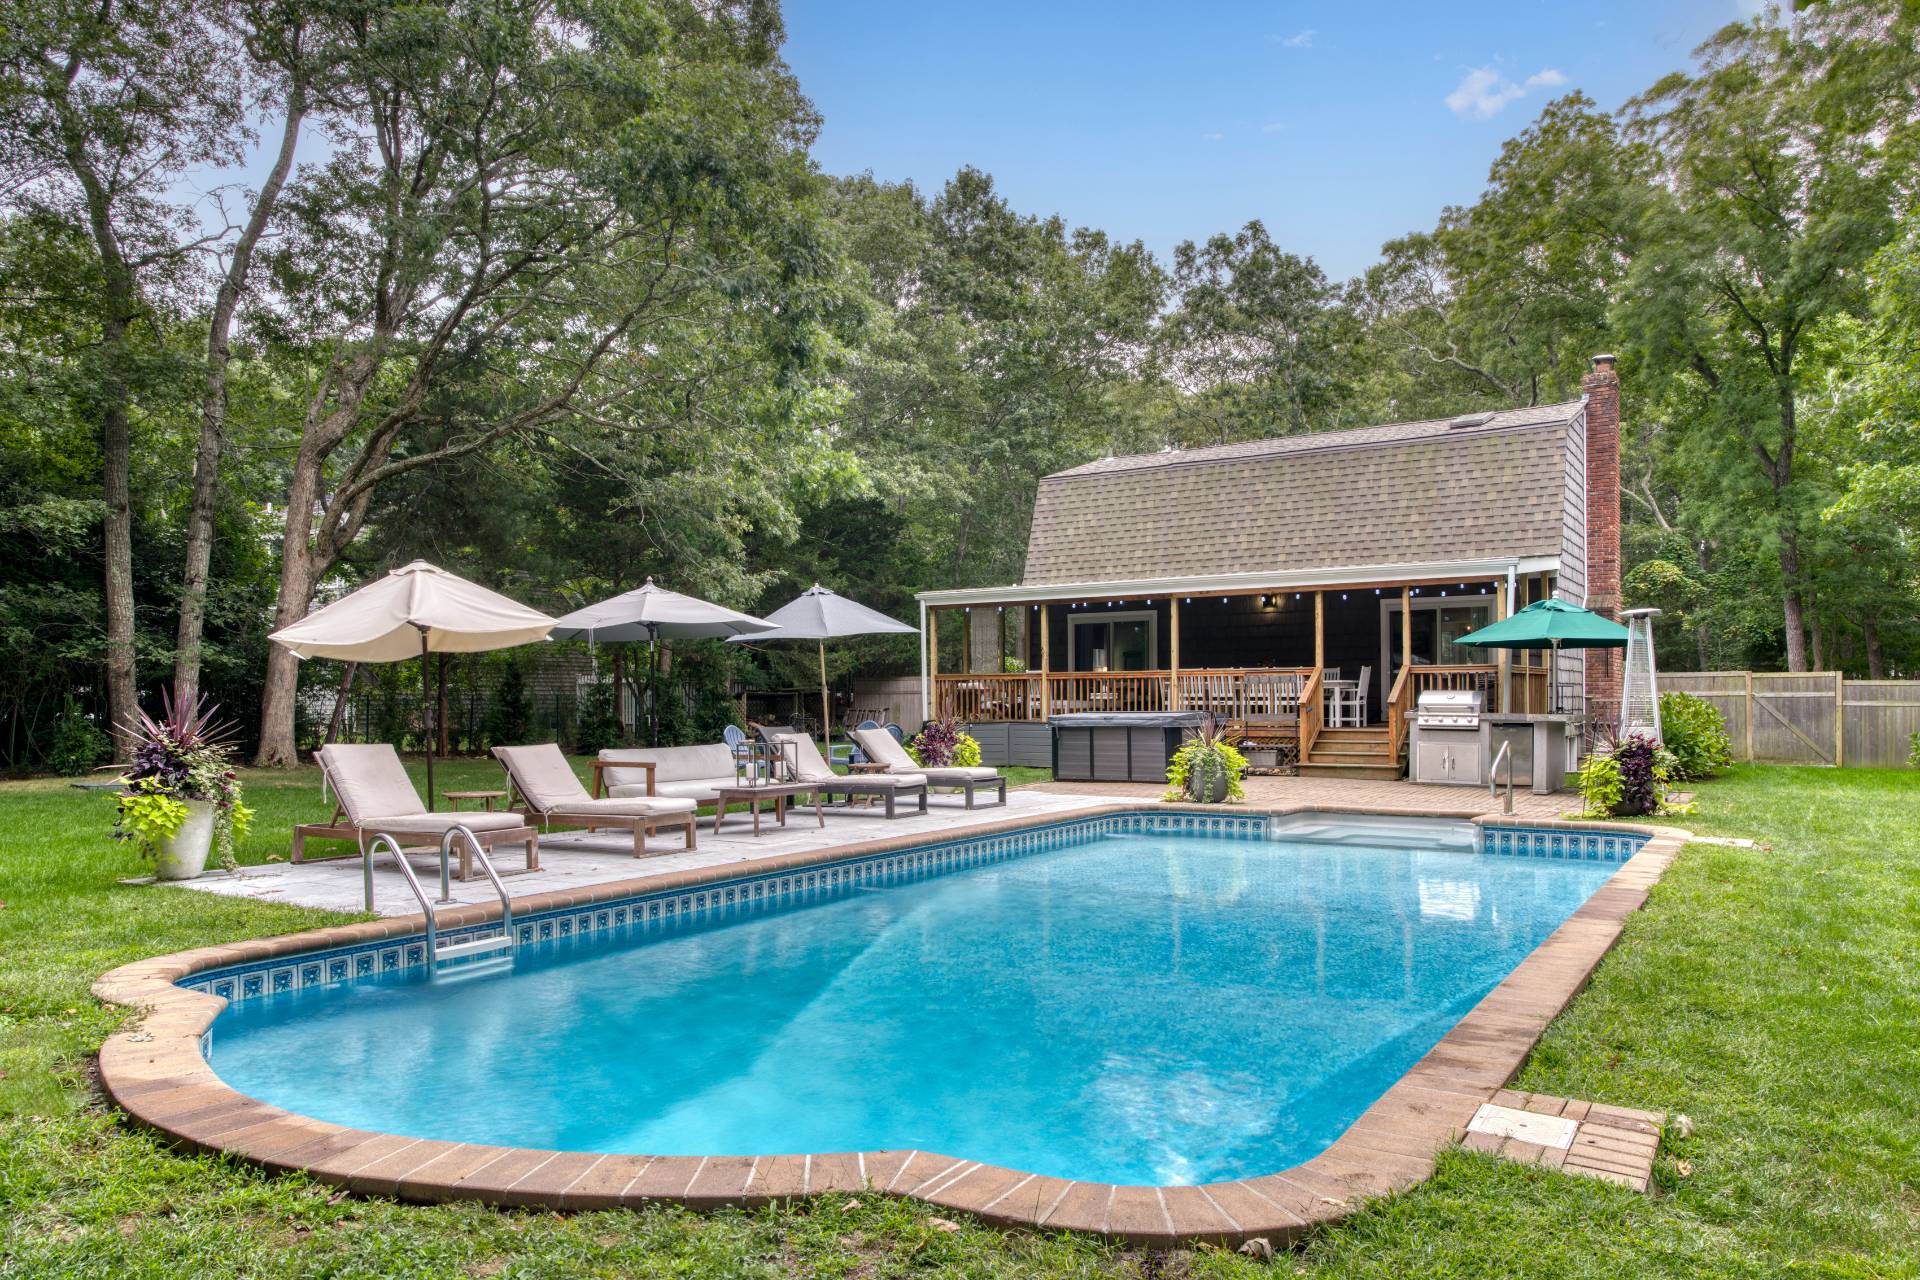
{"points": [[1200, 762], [1695, 732], [1913, 750], [1601, 785], [78, 743], [185, 755]]}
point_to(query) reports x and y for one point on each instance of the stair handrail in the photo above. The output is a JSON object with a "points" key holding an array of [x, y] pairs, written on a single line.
{"points": [[486, 865], [1311, 714], [413, 882], [1397, 712]]}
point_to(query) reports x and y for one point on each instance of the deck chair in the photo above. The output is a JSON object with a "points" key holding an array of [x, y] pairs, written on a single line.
{"points": [[879, 746], [550, 794], [811, 768], [375, 795]]}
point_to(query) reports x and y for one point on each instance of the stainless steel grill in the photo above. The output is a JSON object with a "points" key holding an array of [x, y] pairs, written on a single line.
{"points": [[1449, 709]]}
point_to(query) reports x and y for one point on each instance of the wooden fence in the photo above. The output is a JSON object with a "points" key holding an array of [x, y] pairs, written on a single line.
{"points": [[1819, 717]]}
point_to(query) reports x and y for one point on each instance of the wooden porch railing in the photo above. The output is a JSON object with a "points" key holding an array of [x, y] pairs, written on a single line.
{"points": [[1245, 695], [1399, 703], [1312, 711]]}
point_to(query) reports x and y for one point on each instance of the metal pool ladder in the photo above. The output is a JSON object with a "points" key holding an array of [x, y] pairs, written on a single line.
{"points": [[1493, 774], [491, 943]]}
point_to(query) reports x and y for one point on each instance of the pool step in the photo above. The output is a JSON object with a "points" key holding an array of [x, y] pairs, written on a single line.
{"points": [[474, 947], [1377, 832]]}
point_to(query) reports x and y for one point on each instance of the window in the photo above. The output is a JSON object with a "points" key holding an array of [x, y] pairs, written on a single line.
{"points": [[1437, 623], [1113, 641]]}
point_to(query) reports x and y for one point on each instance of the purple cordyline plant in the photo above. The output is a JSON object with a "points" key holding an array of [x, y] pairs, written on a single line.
{"points": [[1634, 753]]}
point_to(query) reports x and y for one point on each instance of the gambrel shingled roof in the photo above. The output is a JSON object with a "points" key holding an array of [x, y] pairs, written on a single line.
{"points": [[1447, 489]]}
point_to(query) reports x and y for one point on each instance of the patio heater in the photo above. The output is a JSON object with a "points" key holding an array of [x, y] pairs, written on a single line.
{"points": [[1639, 688]]}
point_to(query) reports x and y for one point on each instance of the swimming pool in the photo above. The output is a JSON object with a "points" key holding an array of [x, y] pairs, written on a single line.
{"points": [[1111, 1003]]}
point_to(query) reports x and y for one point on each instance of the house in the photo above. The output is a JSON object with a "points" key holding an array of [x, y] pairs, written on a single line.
{"points": [[1307, 588]]}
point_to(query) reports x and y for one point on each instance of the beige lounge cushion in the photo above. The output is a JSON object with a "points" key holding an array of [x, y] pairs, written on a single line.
{"points": [[441, 823], [812, 767], [670, 764], [880, 747], [960, 773], [542, 776], [626, 807], [370, 781]]}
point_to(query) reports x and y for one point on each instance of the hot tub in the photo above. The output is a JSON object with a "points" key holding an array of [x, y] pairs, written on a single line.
{"points": [[1119, 746]]}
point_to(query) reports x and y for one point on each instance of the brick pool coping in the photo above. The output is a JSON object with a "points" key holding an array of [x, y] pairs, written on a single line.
{"points": [[154, 1070]]}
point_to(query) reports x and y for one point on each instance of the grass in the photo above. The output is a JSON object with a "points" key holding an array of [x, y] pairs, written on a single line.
{"points": [[1770, 994]]}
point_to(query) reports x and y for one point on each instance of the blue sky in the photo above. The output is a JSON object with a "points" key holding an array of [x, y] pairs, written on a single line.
{"points": [[1339, 125]]}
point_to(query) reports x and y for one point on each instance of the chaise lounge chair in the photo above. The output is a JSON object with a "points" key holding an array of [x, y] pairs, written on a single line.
{"points": [[551, 794], [811, 768], [375, 795], [879, 746]]}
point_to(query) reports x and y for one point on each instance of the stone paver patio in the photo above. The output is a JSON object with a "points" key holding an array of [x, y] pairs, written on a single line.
{"points": [[576, 860]]}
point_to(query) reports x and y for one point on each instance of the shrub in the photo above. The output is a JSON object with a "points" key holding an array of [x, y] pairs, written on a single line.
{"points": [[509, 716], [1696, 733], [1913, 750], [595, 728], [78, 743]]}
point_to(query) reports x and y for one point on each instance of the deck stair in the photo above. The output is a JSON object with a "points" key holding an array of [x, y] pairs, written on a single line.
{"points": [[1352, 753]]}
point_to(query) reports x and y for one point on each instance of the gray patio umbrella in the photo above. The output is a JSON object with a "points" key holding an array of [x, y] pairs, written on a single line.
{"points": [[653, 613], [820, 615]]}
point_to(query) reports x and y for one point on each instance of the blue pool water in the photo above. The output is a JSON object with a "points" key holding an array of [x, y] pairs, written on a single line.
{"points": [[1134, 1009]]}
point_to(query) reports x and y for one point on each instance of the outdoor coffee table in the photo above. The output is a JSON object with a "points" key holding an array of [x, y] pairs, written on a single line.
{"points": [[752, 794]]}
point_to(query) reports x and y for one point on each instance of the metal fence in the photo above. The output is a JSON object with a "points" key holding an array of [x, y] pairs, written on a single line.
{"points": [[1818, 717]]}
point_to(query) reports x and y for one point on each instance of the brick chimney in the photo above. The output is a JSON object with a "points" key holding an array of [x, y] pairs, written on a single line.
{"points": [[1602, 387]]}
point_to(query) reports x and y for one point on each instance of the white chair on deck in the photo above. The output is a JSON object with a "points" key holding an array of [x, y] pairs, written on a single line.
{"points": [[1350, 701]]}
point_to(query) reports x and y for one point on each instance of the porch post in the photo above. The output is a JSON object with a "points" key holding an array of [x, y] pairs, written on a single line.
{"points": [[1046, 662], [926, 682], [966, 641], [1173, 654], [933, 662], [1506, 656], [1320, 630], [1406, 626]]}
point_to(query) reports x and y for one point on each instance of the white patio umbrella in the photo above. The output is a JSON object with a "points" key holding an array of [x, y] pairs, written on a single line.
{"points": [[410, 612], [820, 615], [652, 613]]}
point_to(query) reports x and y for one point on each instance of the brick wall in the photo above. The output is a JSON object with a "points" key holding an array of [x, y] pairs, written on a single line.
{"points": [[1602, 386]]}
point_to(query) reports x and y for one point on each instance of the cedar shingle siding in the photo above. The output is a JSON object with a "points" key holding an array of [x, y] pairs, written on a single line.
{"points": [[1415, 492]]}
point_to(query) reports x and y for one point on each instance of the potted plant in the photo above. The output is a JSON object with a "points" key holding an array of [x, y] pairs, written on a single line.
{"points": [[944, 744], [1206, 768], [183, 796]]}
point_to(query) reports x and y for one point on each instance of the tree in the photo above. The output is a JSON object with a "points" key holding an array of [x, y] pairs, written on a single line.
{"points": [[1777, 183], [106, 106], [1254, 346], [530, 196]]}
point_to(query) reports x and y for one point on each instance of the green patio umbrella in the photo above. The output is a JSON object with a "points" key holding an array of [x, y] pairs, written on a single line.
{"points": [[1549, 624]]}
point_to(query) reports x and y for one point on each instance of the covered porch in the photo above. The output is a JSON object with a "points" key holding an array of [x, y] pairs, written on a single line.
{"points": [[1309, 662]]}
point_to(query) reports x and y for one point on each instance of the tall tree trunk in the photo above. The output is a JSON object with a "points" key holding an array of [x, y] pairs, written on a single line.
{"points": [[187, 648], [1818, 634], [116, 452], [1876, 654]]}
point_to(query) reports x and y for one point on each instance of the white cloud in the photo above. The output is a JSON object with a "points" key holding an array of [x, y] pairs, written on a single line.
{"points": [[1213, 137], [1274, 126], [1299, 40], [1484, 93]]}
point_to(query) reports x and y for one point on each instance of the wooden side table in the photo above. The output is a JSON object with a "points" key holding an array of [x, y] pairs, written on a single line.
{"points": [[485, 797], [866, 766], [601, 766]]}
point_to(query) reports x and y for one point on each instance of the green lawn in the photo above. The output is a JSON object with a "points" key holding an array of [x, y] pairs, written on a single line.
{"points": [[1770, 994]]}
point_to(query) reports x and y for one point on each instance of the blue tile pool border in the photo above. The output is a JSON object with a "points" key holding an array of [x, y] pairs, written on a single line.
{"points": [[752, 893]]}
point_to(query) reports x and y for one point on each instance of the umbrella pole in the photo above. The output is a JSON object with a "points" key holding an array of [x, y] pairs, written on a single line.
{"points": [[826, 716], [653, 700], [426, 714]]}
